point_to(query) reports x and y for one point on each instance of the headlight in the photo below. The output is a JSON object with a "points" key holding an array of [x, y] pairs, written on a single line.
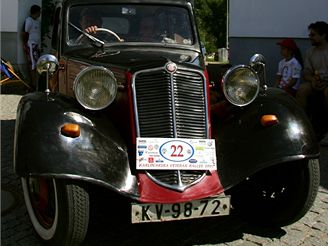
{"points": [[241, 85], [95, 88]]}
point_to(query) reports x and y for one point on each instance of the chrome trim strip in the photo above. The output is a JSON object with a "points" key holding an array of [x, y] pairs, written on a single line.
{"points": [[79, 118], [173, 104], [180, 187]]}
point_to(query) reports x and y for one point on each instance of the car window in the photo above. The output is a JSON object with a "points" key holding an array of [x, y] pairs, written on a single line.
{"points": [[131, 23], [116, 24]]}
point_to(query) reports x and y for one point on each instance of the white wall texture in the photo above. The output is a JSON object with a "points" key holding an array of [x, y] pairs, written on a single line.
{"points": [[274, 18], [255, 26], [9, 13], [13, 14]]}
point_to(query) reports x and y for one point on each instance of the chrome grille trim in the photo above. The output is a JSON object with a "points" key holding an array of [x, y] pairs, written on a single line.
{"points": [[173, 106], [155, 118], [176, 179]]}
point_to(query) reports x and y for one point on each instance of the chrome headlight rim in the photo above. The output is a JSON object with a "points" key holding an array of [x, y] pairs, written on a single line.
{"points": [[225, 84], [77, 82]]}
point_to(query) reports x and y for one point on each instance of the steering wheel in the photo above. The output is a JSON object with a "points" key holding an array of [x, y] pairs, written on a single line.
{"points": [[78, 40]]}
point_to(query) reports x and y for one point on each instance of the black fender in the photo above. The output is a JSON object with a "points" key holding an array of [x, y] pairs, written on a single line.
{"points": [[245, 146], [98, 155]]}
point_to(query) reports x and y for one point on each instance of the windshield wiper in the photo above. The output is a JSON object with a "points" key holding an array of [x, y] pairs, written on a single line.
{"points": [[95, 41]]}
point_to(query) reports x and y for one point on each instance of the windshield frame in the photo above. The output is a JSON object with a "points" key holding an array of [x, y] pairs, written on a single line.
{"points": [[194, 44]]}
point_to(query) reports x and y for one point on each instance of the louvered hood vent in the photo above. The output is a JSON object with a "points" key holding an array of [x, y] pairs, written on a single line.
{"points": [[171, 102]]}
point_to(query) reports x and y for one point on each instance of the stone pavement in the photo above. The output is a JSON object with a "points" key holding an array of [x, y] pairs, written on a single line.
{"points": [[311, 230]]}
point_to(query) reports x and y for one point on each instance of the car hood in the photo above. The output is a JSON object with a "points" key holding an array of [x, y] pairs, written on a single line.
{"points": [[136, 58]]}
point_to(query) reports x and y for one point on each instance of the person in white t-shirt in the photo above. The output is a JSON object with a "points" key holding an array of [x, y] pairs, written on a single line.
{"points": [[32, 38], [290, 67]]}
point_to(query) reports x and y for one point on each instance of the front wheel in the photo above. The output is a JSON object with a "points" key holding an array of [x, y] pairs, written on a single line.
{"points": [[58, 209], [279, 195]]}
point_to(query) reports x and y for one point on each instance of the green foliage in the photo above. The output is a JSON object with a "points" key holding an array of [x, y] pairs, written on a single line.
{"points": [[48, 7], [211, 17]]}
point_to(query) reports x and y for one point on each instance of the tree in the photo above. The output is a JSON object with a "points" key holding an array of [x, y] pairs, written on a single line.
{"points": [[211, 17]]}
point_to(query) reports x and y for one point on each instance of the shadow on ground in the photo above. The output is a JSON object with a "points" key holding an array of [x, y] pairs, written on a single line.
{"points": [[111, 223], [17, 88]]}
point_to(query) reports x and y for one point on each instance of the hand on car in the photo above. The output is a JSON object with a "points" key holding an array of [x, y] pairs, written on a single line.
{"points": [[91, 29]]}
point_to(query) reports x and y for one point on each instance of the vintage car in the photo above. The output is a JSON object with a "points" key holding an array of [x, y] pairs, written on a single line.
{"points": [[133, 111]]}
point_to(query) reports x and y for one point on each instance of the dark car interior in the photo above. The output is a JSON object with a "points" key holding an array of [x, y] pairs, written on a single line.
{"points": [[134, 23]]}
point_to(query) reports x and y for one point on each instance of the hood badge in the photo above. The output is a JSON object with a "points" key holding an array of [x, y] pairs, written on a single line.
{"points": [[171, 67]]}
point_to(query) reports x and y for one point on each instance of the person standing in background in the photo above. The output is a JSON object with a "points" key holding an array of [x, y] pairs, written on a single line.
{"points": [[315, 74], [290, 67], [32, 40]]}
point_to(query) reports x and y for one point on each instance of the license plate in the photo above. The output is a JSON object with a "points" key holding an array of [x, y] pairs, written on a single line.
{"points": [[213, 206]]}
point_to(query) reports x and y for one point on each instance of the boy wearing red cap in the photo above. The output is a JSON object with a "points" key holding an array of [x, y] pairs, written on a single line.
{"points": [[289, 68]]}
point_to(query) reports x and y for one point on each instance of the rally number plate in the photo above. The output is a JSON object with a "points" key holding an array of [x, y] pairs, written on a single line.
{"points": [[213, 206], [175, 154]]}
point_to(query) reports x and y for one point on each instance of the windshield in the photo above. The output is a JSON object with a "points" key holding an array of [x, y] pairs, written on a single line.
{"points": [[129, 23]]}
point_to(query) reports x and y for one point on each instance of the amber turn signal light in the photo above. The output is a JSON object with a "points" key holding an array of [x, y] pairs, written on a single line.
{"points": [[269, 120], [71, 130]]}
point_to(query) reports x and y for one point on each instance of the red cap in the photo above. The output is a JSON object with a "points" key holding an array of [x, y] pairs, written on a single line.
{"points": [[288, 43]]}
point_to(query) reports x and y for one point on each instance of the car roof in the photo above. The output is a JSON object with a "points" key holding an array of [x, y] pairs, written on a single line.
{"points": [[175, 2]]}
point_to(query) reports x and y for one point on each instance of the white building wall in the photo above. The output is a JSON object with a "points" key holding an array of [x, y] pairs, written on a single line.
{"points": [[255, 26], [13, 14], [9, 13], [278, 18]]}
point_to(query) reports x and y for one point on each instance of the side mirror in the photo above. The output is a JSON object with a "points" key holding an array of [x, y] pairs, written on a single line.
{"points": [[257, 62], [48, 64], [256, 59]]}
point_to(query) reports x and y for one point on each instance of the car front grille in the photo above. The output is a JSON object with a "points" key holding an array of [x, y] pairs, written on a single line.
{"points": [[171, 105]]}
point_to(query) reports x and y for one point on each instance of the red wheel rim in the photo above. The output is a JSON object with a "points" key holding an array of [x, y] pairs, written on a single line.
{"points": [[42, 195]]}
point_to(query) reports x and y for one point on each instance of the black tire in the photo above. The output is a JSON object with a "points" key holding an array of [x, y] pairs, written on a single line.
{"points": [[58, 210], [279, 195], [318, 115]]}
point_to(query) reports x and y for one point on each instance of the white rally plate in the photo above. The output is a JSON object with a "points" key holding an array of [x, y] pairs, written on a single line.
{"points": [[208, 207], [175, 154]]}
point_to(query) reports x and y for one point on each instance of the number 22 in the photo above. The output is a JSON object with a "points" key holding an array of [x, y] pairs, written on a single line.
{"points": [[177, 151]]}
